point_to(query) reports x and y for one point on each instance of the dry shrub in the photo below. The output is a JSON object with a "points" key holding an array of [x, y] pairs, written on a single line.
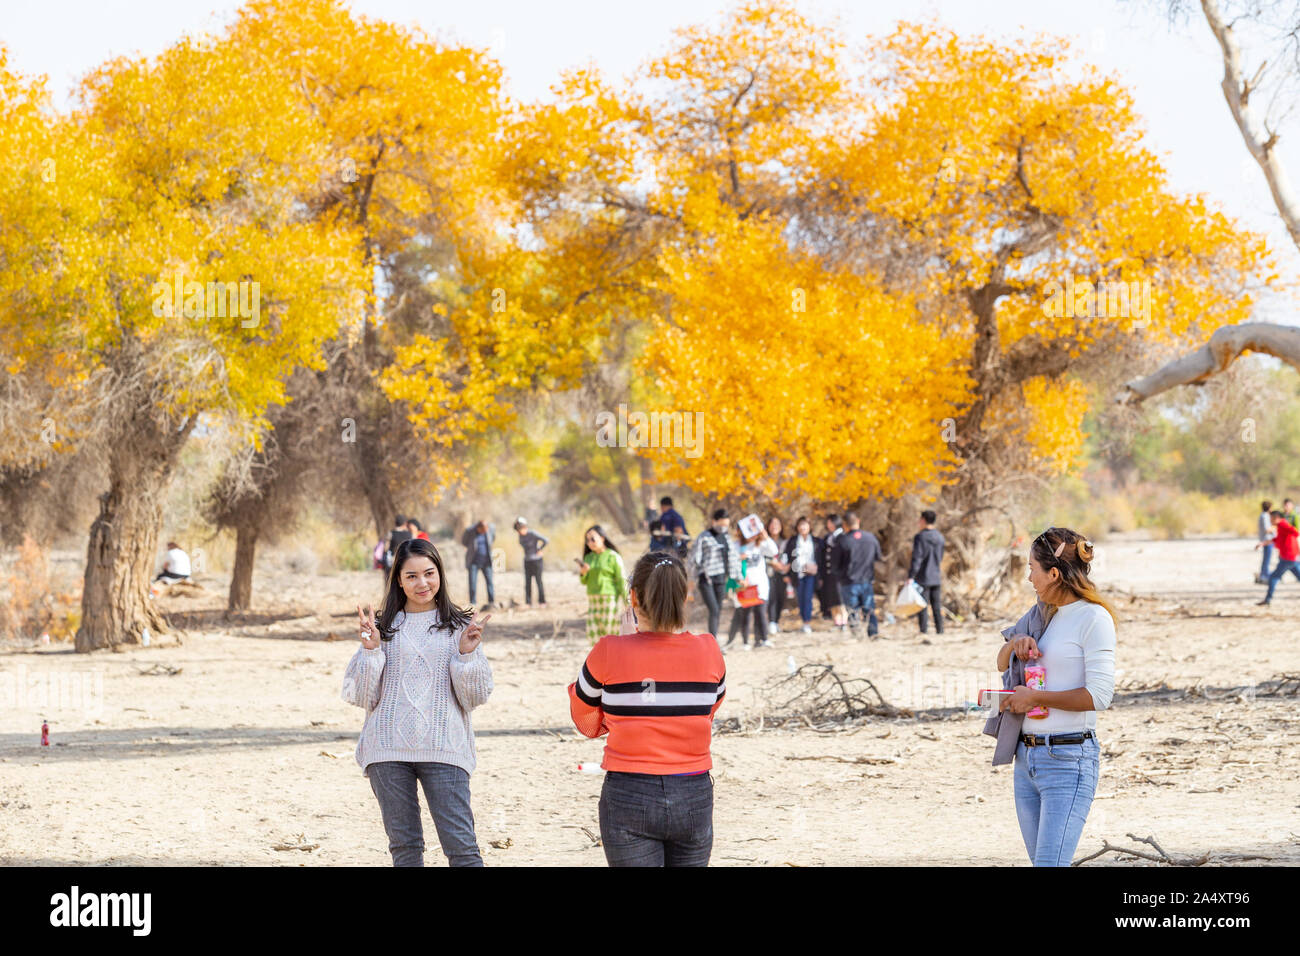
{"points": [[30, 606]]}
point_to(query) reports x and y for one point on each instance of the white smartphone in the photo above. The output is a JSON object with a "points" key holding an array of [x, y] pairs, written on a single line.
{"points": [[992, 699]]}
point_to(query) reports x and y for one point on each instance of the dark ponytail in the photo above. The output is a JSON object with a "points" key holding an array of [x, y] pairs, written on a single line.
{"points": [[659, 580]]}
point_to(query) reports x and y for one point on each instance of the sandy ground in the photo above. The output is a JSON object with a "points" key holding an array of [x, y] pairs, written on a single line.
{"points": [[247, 746]]}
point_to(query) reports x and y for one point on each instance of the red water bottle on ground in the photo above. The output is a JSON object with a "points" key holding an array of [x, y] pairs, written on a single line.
{"points": [[45, 733]]}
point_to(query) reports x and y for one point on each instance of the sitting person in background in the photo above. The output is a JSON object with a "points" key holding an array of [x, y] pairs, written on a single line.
{"points": [[176, 565], [416, 529]]}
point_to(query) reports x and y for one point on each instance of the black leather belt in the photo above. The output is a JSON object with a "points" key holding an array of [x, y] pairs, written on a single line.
{"points": [[1033, 740]]}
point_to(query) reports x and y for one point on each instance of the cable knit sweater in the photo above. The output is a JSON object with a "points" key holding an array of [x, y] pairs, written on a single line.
{"points": [[418, 691]]}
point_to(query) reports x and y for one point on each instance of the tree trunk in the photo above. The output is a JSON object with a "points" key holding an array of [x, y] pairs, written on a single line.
{"points": [[378, 494], [611, 505], [241, 580], [647, 485], [115, 604], [629, 514]]}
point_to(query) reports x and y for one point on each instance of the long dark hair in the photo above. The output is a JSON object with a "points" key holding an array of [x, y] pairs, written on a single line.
{"points": [[586, 550], [450, 617], [1074, 563]]}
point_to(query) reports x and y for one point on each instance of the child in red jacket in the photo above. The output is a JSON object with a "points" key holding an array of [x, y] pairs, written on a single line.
{"points": [[1285, 535]]}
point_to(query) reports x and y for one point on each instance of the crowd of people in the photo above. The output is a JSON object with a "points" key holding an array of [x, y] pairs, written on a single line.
{"points": [[760, 570], [763, 570]]}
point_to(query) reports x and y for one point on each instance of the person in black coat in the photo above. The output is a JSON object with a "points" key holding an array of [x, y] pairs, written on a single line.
{"points": [[853, 559], [828, 581], [927, 556]]}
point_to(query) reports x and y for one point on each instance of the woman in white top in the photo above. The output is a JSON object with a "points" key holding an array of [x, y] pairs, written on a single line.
{"points": [[801, 555], [1058, 756], [753, 554], [418, 674]]}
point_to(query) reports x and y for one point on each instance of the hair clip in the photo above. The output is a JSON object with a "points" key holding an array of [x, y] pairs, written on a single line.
{"points": [[1059, 548]]}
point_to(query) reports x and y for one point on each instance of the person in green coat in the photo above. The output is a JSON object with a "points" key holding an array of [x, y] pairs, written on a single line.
{"points": [[601, 570]]}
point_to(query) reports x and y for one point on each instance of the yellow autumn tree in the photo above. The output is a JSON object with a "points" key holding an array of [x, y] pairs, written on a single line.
{"points": [[991, 203], [809, 383], [169, 263], [1035, 226], [411, 125]]}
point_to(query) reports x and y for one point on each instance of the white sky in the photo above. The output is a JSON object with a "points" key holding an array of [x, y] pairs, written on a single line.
{"points": [[1173, 72]]}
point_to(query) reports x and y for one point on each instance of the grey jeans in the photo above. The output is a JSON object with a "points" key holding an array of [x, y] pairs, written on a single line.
{"points": [[652, 820], [446, 788]]}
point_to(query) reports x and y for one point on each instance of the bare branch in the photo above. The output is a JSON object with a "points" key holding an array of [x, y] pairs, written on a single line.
{"points": [[1237, 89], [1225, 345]]}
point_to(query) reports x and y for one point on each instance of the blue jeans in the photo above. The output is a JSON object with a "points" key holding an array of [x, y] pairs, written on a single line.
{"points": [[446, 788], [805, 590], [859, 594], [473, 582], [1282, 568], [1268, 557], [652, 820], [1054, 787]]}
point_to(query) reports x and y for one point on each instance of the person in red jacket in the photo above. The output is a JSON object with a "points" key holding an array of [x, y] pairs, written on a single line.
{"points": [[654, 693], [1285, 535]]}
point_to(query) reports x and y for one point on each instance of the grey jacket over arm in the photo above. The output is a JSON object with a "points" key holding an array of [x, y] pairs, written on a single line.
{"points": [[1005, 725]]}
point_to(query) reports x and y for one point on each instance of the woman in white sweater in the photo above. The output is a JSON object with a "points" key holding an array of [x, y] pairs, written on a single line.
{"points": [[418, 674], [1058, 757]]}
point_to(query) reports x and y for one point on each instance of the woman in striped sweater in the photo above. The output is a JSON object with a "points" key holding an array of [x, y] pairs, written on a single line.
{"points": [[654, 693]]}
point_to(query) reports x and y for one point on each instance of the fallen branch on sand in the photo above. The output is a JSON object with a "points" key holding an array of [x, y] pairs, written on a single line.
{"points": [[158, 670], [1280, 685], [1108, 847], [1163, 857], [817, 697], [301, 844]]}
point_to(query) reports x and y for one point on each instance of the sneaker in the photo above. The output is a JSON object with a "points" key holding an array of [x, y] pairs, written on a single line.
{"points": [[1261, 603], [807, 629], [748, 647], [771, 627], [767, 643]]}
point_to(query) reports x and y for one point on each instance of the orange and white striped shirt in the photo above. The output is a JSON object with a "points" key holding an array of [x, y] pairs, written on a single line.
{"points": [[655, 695]]}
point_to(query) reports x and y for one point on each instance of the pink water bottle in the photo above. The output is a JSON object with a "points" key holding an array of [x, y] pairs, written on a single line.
{"points": [[1036, 679], [45, 733]]}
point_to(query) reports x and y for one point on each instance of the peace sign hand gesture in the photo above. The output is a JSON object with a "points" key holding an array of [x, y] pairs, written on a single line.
{"points": [[473, 635], [369, 631]]}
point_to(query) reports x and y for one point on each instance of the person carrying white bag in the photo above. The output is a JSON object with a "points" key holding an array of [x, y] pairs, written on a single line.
{"points": [[910, 600]]}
